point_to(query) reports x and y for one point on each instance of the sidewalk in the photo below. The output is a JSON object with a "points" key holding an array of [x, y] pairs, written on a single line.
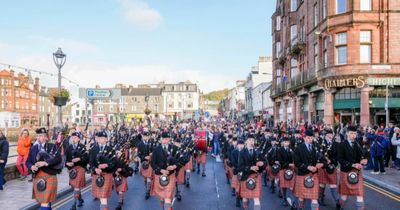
{"points": [[389, 181], [18, 194]]}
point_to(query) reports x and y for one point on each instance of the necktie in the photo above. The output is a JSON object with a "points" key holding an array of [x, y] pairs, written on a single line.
{"points": [[251, 151], [309, 148], [101, 148], [40, 147], [74, 146]]}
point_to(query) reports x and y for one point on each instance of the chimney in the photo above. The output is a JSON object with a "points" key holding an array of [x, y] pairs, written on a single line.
{"points": [[36, 84]]}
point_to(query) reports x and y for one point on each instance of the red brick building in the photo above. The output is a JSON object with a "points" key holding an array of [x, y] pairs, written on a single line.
{"points": [[334, 60], [19, 93]]}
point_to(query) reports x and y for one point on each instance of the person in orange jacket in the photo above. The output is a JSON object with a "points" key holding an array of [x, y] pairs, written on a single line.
{"points": [[24, 144]]}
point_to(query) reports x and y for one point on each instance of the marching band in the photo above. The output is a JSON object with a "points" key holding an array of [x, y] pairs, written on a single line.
{"points": [[297, 168]]}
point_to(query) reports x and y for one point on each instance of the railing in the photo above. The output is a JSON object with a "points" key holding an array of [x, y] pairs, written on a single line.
{"points": [[12, 155], [295, 81]]}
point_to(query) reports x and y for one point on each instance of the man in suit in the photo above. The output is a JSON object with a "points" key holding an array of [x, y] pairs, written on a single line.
{"points": [[164, 163], [285, 158], [351, 158], [144, 153], [305, 159], [44, 169], [251, 165], [234, 160]]}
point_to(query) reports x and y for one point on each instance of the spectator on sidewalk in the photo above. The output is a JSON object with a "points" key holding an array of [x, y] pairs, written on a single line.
{"points": [[396, 142], [4, 149], [24, 144], [378, 146]]}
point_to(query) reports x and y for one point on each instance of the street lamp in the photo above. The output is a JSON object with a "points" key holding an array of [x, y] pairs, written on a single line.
{"points": [[59, 59], [387, 105]]}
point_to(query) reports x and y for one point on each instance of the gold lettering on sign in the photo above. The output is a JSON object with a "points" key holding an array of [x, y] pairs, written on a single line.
{"points": [[358, 82]]}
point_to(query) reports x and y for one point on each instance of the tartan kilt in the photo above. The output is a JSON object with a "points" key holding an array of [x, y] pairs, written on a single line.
{"points": [[80, 179], [167, 192], [235, 182], [201, 159], [230, 172], [50, 194], [283, 183], [123, 187], [345, 188], [325, 178], [189, 165], [255, 193], [146, 173], [270, 174], [106, 190], [181, 176], [306, 193]]}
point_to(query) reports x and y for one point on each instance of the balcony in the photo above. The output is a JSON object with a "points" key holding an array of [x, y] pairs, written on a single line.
{"points": [[302, 78]]}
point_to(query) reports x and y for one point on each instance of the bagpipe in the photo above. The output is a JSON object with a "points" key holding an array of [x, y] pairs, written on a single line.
{"points": [[172, 158], [152, 143], [107, 156]]}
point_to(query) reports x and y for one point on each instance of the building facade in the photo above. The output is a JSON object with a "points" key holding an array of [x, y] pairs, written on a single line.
{"points": [[81, 113], [258, 100], [20, 94], [180, 99], [334, 61], [258, 74]]}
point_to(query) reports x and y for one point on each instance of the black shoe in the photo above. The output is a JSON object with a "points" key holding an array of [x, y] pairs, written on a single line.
{"points": [[187, 184], [338, 207], [293, 208], [233, 192], [119, 207], [198, 171], [321, 201], [147, 196], [30, 180], [272, 190], [73, 207], [179, 197], [237, 201], [80, 202], [203, 174], [285, 203]]}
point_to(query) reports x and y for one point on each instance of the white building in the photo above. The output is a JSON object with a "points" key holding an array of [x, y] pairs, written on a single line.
{"points": [[79, 114], [258, 74], [258, 99], [182, 99], [268, 104]]}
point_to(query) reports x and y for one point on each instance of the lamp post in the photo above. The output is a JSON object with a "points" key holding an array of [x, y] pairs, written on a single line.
{"points": [[59, 59], [387, 105]]}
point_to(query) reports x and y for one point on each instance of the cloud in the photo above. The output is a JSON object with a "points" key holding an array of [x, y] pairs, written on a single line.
{"points": [[140, 14]]}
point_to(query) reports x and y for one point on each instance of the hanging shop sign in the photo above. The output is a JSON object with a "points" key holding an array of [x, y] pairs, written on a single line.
{"points": [[394, 81], [358, 82]]}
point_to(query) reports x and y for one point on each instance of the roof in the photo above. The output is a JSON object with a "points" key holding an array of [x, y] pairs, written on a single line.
{"points": [[141, 91], [5, 73]]}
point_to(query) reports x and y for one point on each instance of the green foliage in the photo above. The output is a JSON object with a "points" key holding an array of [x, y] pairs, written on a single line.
{"points": [[216, 95]]}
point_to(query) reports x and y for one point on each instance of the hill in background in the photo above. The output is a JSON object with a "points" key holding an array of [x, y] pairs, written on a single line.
{"points": [[216, 95]]}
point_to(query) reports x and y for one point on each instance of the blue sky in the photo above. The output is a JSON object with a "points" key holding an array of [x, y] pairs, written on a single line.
{"points": [[213, 42]]}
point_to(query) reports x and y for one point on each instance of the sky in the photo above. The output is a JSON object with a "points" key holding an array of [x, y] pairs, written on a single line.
{"points": [[211, 42]]}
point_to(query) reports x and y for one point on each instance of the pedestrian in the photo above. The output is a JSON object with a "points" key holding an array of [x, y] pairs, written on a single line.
{"points": [[396, 142], [4, 149], [378, 146], [23, 147]]}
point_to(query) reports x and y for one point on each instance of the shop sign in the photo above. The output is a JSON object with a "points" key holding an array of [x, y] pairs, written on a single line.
{"points": [[384, 81], [358, 82]]}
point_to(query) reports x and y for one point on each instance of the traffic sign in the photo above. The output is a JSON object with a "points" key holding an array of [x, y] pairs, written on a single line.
{"points": [[95, 93]]}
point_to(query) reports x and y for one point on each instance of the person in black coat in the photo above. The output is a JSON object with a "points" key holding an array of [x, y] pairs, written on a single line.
{"points": [[285, 159], [251, 164], [305, 159], [164, 162], [351, 158], [272, 159], [4, 150], [234, 161], [77, 159], [45, 168], [144, 153]]}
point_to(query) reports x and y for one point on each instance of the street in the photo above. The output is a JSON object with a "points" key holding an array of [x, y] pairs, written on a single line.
{"points": [[212, 193]]}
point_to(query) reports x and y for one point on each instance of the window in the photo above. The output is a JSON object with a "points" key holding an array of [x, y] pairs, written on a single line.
{"points": [[89, 112], [278, 72], [341, 48], [278, 49], [316, 50], [83, 112], [348, 93], [341, 6], [324, 6], [365, 46], [316, 21], [111, 108], [189, 105], [77, 112], [170, 105], [365, 5], [293, 34], [326, 42], [293, 5], [278, 23], [293, 68]]}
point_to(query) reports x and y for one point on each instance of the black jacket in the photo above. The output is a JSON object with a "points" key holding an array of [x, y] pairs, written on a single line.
{"points": [[329, 152], [234, 160], [303, 158], [246, 161], [79, 152], [4, 149], [285, 157], [143, 150], [349, 155], [272, 155], [52, 162], [161, 159], [95, 160]]}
